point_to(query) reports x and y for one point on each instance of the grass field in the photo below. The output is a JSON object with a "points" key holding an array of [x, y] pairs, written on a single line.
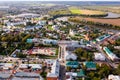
{"points": [[75, 10], [59, 12]]}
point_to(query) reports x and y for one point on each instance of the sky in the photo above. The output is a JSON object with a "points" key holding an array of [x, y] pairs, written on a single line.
{"points": [[59, 0]]}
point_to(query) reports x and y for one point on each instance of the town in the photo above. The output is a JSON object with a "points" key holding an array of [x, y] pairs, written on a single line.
{"points": [[51, 41]]}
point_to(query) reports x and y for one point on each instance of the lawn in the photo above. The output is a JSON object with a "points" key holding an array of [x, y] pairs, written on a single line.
{"points": [[49, 27], [59, 12], [47, 57]]}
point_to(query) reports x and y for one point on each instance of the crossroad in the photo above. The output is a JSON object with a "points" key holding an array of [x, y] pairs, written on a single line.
{"points": [[98, 47], [104, 54]]}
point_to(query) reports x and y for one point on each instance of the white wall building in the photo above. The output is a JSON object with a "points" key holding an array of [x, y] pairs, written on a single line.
{"points": [[99, 56], [55, 27], [34, 66], [113, 77], [69, 55], [6, 66], [54, 70], [111, 55], [71, 32]]}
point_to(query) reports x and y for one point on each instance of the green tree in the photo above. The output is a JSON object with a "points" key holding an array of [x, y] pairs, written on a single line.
{"points": [[95, 78]]}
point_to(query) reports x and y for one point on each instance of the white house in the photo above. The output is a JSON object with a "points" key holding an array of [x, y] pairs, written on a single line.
{"points": [[113, 77], [69, 55], [99, 56], [55, 27], [71, 32]]}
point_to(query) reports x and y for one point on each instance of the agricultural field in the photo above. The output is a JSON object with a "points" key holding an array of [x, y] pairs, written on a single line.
{"points": [[115, 9], [108, 21], [75, 10], [2, 13]]}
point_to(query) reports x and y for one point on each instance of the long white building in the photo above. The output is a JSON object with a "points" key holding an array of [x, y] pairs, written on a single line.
{"points": [[110, 54], [54, 74]]}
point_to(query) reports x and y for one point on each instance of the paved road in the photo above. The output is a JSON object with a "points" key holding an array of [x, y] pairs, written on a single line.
{"points": [[104, 54], [108, 60], [62, 72]]}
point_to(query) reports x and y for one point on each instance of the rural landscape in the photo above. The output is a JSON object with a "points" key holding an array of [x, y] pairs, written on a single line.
{"points": [[59, 40]]}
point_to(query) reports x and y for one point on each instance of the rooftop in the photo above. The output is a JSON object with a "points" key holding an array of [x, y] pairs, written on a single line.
{"points": [[34, 66], [103, 37], [99, 56], [106, 49], [81, 73], [113, 77], [54, 70], [90, 65], [27, 74], [19, 78], [4, 75], [74, 64]]}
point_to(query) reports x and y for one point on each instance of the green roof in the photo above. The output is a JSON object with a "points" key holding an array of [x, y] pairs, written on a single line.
{"points": [[94, 41], [108, 51], [90, 64], [74, 64], [81, 73], [103, 37]]}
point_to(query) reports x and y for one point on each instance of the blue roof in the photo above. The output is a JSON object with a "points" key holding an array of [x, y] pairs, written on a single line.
{"points": [[29, 40]]}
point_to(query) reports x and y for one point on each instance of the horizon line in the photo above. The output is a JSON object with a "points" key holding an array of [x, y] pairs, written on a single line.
{"points": [[62, 0]]}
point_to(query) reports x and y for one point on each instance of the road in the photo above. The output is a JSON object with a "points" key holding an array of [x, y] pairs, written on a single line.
{"points": [[104, 54], [62, 72], [107, 58]]}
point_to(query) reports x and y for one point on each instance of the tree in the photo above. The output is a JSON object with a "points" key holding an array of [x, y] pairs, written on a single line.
{"points": [[96, 78], [4, 39], [69, 68], [43, 74], [25, 38], [91, 74], [117, 71], [20, 55]]}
